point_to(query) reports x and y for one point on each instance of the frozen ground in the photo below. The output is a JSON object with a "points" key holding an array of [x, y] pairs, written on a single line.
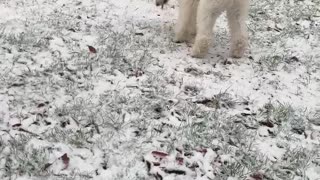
{"points": [[135, 105]]}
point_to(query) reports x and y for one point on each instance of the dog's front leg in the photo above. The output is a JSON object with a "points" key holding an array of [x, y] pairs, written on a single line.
{"points": [[186, 24], [237, 15]]}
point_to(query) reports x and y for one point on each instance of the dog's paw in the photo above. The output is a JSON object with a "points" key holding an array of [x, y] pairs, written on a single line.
{"points": [[198, 53], [180, 38], [237, 53], [200, 48], [238, 48]]}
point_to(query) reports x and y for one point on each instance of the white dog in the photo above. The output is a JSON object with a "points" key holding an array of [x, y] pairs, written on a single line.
{"points": [[197, 17]]}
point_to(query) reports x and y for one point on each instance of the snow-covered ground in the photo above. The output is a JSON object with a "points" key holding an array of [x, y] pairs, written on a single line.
{"points": [[96, 89]]}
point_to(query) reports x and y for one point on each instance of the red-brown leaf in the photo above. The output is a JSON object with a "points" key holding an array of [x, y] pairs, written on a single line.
{"points": [[41, 105], [267, 123], [92, 49], [179, 150], [65, 160], [179, 160], [16, 125], [203, 151], [257, 176], [46, 166], [159, 154]]}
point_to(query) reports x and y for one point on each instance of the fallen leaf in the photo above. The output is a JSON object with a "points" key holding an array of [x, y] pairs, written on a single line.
{"points": [[175, 171], [257, 176], [267, 123], [203, 151], [179, 150], [72, 30], [159, 154], [65, 160], [16, 125], [41, 105], [46, 166], [179, 160], [92, 49], [139, 34]]}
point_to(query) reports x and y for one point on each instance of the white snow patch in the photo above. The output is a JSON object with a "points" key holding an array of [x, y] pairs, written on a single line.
{"points": [[271, 151], [4, 110]]}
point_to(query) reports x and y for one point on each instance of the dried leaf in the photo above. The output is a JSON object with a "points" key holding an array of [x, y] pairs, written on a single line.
{"points": [[159, 154], [92, 49], [41, 105], [46, 166], [179, 160], [257, 176], [180, 150], [267, 123], [139, 34], [16, 125], [72, 30], [203, 151], [65, 160], [175, 171]]}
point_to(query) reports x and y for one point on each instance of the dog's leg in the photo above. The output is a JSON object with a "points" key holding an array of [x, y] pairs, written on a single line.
{"points": [[208, 12], [237, 15], [185, 27], [192, 28]]}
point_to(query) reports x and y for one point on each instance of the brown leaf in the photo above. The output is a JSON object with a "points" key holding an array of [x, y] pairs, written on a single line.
{"points": [[139, 34], [41, 105], [175, 171], [179, 160], [203, 151], [65, 160], [46, 166], [139, 73], [257, 176], [72, 30], [159, 154], [267, 123], [180, 150], [158, 176], [92, 49], [16, 125]]}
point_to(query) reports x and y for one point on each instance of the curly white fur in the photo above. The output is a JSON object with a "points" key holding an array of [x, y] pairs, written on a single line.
{"points": [[197, 17]]}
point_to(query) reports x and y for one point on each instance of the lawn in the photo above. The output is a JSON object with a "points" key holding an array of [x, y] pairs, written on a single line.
{"points": [[97, 89]]}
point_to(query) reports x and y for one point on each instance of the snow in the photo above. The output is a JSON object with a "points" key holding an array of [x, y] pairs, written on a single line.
{"points": [[108, 110]]}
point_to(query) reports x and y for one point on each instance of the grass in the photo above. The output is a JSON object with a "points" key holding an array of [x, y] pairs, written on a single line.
{"points": [[139, 92]]}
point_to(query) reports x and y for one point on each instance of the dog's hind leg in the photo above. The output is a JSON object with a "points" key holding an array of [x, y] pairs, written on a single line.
{"points": [[237, 15], [208, 12]]}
